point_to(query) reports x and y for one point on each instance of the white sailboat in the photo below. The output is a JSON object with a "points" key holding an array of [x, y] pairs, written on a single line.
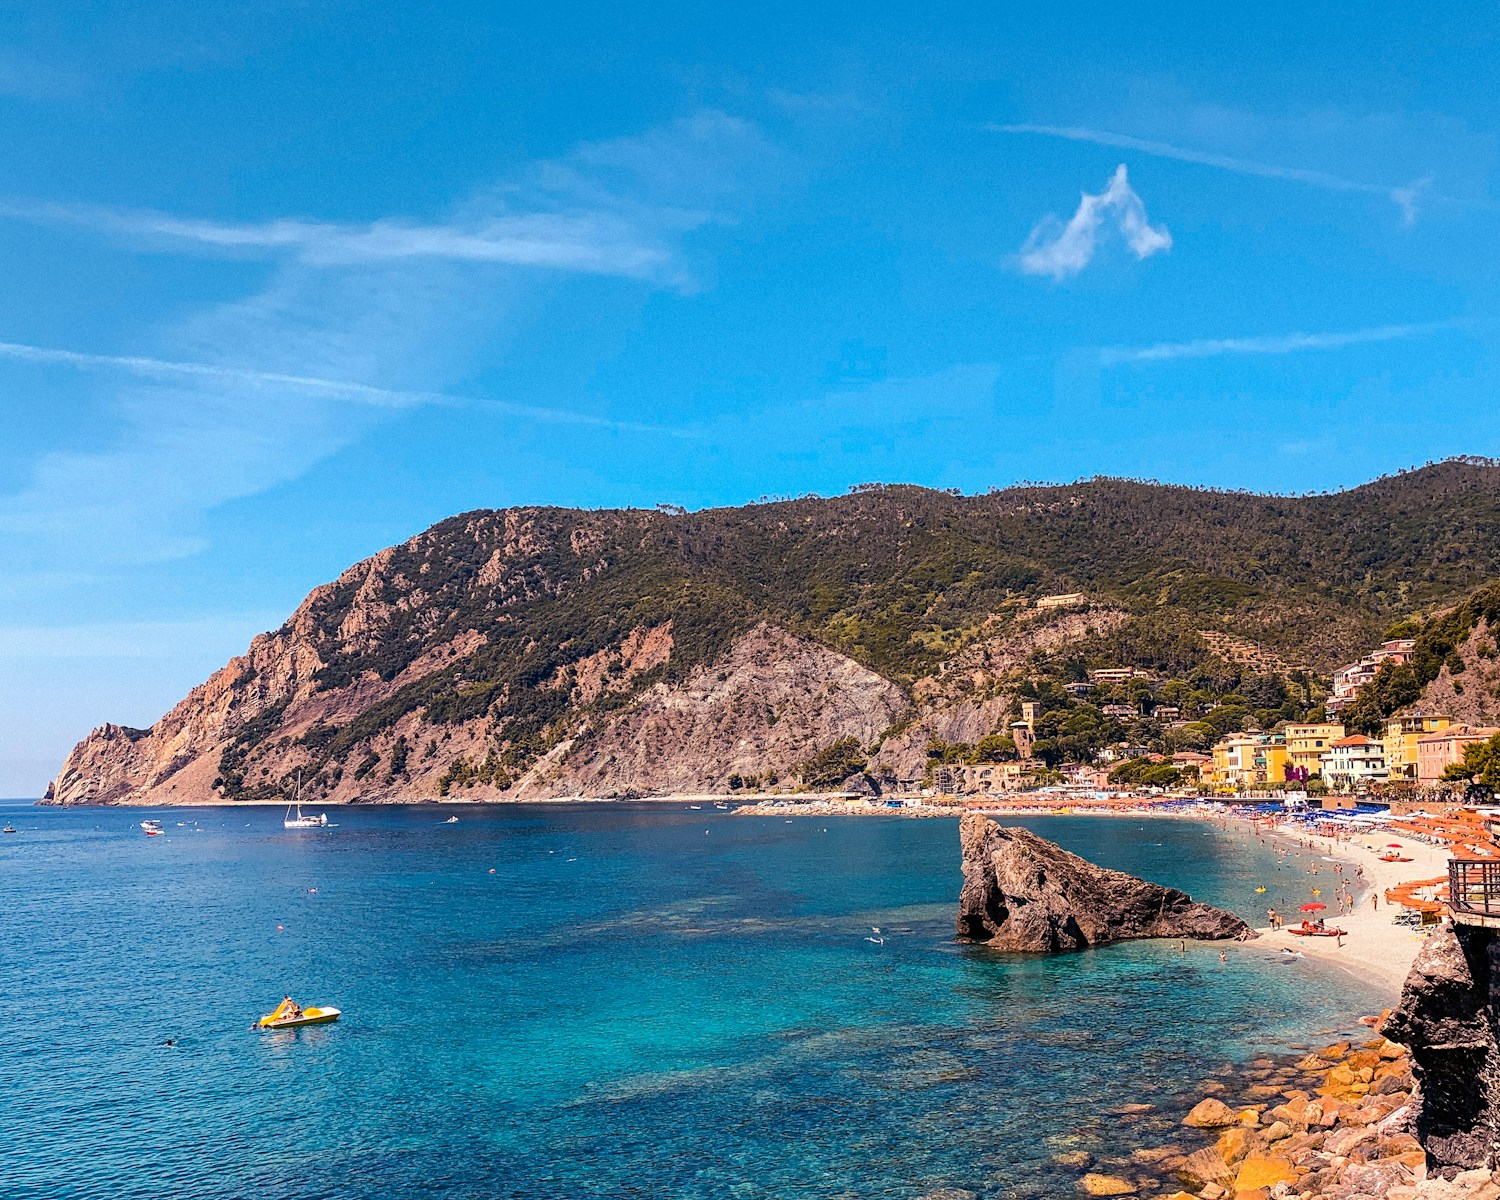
{"points": [[318, 821]]}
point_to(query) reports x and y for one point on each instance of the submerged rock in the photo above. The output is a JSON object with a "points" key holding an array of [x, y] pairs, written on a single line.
{"points": [[1022, 892]]}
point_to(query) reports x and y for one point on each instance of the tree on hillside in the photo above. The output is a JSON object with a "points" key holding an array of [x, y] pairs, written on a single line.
{"points": [[833, 764]]}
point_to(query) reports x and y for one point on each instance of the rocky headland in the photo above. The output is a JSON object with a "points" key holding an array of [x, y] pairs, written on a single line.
{"points": [[1024, 893], [536, 653]]}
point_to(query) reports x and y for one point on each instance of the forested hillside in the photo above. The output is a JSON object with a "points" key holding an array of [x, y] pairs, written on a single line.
{"points": [[533, 651]]}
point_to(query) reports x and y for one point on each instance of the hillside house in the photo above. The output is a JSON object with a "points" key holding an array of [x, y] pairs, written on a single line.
{"points": [[1352, 763]]}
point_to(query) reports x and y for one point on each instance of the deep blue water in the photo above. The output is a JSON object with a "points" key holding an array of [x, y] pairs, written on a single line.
{"points": [[640, 1001]]}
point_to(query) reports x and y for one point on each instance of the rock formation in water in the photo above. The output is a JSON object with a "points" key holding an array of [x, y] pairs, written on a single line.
{"points": [[1447, 1019], [1022, 892]]}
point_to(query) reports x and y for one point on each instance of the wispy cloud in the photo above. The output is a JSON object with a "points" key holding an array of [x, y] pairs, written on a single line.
{"points": [[158, 368], [592, 242], [352, 326], [1404, 197], [1283, 343], [1062, 250]]}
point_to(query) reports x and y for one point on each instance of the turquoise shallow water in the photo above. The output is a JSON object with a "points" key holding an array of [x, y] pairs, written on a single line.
{"points": [[641, 1001]]}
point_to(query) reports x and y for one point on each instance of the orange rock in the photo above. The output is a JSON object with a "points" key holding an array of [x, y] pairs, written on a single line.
{"points": [[1203, 1168], [1106, 1185], [1337, 1050], [1261, 1170], [1234, 1144], [1211, 1114], [1249, 1116]]}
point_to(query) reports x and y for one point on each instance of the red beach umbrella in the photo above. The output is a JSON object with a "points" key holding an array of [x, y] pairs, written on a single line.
{"points": [[1313, 907], [1393, 845]]}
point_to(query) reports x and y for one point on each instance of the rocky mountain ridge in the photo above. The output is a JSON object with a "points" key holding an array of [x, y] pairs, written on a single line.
{"points": [[543, 652]]}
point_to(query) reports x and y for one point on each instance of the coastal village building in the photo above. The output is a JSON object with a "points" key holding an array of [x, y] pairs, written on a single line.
{"points": [[1436, 752], [1401, 737], [1023, 732], [967, 779], [1305, 746], [1248, 760], [1353, 763], [1070, 600], [1118, 674], [1347, 681], [1085, 775], [1166, 713]]}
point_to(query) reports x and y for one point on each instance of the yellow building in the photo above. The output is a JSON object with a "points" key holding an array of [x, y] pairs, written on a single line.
{"points": [[1401, 737], [1247, 760], [1306, 745], [1271, 763]]}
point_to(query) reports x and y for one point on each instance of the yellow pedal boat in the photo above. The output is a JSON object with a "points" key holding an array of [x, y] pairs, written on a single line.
{"points": [[288, 1016]]}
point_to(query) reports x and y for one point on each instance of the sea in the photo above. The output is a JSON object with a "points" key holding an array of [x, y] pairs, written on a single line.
{"points": [[597, 1000]]}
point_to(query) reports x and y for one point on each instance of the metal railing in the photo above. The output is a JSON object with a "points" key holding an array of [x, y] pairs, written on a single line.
{"points": [[1474, 887]]}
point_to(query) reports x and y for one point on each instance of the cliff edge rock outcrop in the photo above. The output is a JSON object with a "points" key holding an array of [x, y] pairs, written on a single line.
{"points": [[1447, 1018], [1022, 892]]}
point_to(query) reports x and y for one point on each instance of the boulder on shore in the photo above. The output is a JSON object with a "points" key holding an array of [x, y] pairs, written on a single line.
{"points": [[1022, 892]]}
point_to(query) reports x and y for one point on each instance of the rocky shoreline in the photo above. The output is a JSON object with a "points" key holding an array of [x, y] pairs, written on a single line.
{"points": [[1331, 1123]]}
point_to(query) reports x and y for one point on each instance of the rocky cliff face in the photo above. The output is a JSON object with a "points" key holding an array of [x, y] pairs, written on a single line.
{"points": [[1024, 893], [1028, 894], [1447, 1019], [542, 651], [1471, 693]]}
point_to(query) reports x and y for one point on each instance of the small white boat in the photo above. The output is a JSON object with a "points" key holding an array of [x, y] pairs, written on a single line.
{"points": [[152, 828], [320, 821], [451, 821]]}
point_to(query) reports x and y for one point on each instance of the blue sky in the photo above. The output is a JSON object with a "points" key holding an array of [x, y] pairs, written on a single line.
{"points": [[287, 282]]}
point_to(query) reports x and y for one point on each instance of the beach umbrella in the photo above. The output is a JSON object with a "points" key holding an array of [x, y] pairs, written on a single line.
{"points": [[1313, 907], [1393, 845]]}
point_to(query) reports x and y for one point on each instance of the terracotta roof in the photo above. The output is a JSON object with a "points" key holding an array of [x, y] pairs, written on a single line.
{"points": [[1357, 739]]}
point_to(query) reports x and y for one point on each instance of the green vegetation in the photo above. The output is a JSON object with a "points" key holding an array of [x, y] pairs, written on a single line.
{"points": [[902, 579], [833, 764], [1142, 772]]}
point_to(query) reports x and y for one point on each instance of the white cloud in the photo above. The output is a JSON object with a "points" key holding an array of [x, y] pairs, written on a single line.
{"points": [[611, 208], [1283, 343], [1062, 250], [163, 369], [594, 243], [1404, 197], [350, 328]]}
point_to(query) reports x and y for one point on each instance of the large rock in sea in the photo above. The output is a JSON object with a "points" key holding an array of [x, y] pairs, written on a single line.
{"points": [[1022, 892]]}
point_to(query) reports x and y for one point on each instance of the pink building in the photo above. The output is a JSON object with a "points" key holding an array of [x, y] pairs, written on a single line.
{"points": [[1438, 751]]}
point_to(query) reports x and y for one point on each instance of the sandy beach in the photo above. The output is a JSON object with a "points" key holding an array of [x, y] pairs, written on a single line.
{"points": [[1375, 949]]}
